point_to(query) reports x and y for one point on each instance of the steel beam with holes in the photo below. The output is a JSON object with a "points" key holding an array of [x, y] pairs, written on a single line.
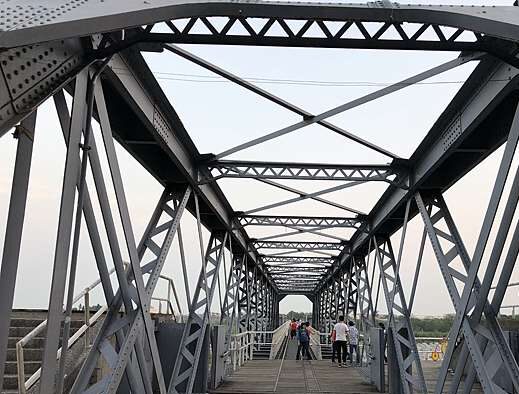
{"points": [[302, 171], [408, 358], [190, 349], [298, 245], [157, 241], [440, 226], [477, 21]]}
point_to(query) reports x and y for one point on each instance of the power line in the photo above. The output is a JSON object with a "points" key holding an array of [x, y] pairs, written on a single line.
{"points": [[198, 78]]}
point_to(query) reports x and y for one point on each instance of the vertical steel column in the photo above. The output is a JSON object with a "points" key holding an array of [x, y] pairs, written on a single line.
{"points": [[408, 359], [188, 357], [13, 232], [61, 255], [486, 366]]}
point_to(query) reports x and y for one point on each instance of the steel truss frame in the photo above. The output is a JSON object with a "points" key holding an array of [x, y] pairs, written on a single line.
{"points": [[301, 245], [42, 57], [188, 357], [408, 359], [303, 171], [486, 343], [300, 221]]}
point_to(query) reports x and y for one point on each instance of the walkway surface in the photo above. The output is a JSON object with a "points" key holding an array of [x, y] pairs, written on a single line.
{"points": [[290, 376], [291, 351]]}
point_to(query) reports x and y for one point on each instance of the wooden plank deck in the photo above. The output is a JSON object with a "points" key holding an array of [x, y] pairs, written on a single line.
{"points": [[264, 376]]}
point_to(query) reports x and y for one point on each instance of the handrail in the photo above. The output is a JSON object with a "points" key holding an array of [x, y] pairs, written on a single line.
{"points": [[278, 336], [83, 331], [168, 300]]}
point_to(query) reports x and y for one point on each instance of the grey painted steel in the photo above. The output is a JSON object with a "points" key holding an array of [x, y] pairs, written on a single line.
{"points": [[55, 310], [486, 368], [141, 300], [264, 278], [302, 245], [408, 359], [271, 97], [315, 198], [472, 273], [300, 221], [186, 364], [456, 125], [13, 233], [64, 118], [163, 234], [89, 19], [304, 171], [353, 104]]}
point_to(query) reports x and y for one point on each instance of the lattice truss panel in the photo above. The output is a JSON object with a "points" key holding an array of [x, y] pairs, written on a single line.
{"points": [[228, 169], [484, 341], [349, 31], [408, 358]]}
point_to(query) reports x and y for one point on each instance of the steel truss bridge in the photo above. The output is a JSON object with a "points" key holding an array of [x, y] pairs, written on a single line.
{"points": [[92, 51]]}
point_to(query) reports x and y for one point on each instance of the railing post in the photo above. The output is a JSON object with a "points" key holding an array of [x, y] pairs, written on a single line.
{"points": [[20, 367], [87, 318]]}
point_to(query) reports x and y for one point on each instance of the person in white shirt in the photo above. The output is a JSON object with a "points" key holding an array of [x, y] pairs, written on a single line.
{"points": [[353, 337], [341, 336]]}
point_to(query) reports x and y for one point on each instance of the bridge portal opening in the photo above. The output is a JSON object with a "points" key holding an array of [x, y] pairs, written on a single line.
{"points": [[295, 306]]}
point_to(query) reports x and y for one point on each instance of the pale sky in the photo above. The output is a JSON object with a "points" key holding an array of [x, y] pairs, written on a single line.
{"points": [[219, 115]]}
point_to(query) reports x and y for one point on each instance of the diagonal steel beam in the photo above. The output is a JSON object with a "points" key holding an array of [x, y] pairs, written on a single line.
{"points": [[354, 103], [271, 97], [304, 196], [315, 198]]}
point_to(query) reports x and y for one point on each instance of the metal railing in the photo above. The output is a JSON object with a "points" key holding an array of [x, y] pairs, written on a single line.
{"points": [[278, 336], [168, 301], [83, 331], [243, 344]]}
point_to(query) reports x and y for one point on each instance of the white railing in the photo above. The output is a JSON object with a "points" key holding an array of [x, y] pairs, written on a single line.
{"points": [[278, 336], [84, 331], [243, 344], [315, 343]]}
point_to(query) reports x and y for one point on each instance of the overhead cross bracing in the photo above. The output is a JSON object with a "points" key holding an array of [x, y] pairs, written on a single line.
{"points": [[93, 52]]}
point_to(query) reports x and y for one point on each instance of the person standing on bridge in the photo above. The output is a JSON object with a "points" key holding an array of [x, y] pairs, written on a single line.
{"points": [[303, 338], [341, 337], [353, 337], [293, 328]]}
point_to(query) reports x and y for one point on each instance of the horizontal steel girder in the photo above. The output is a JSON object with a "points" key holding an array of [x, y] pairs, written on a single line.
{"points": [[303, 171], [296, 259], [276, 28], [274, 269], [307, 246], [300, 221]]}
